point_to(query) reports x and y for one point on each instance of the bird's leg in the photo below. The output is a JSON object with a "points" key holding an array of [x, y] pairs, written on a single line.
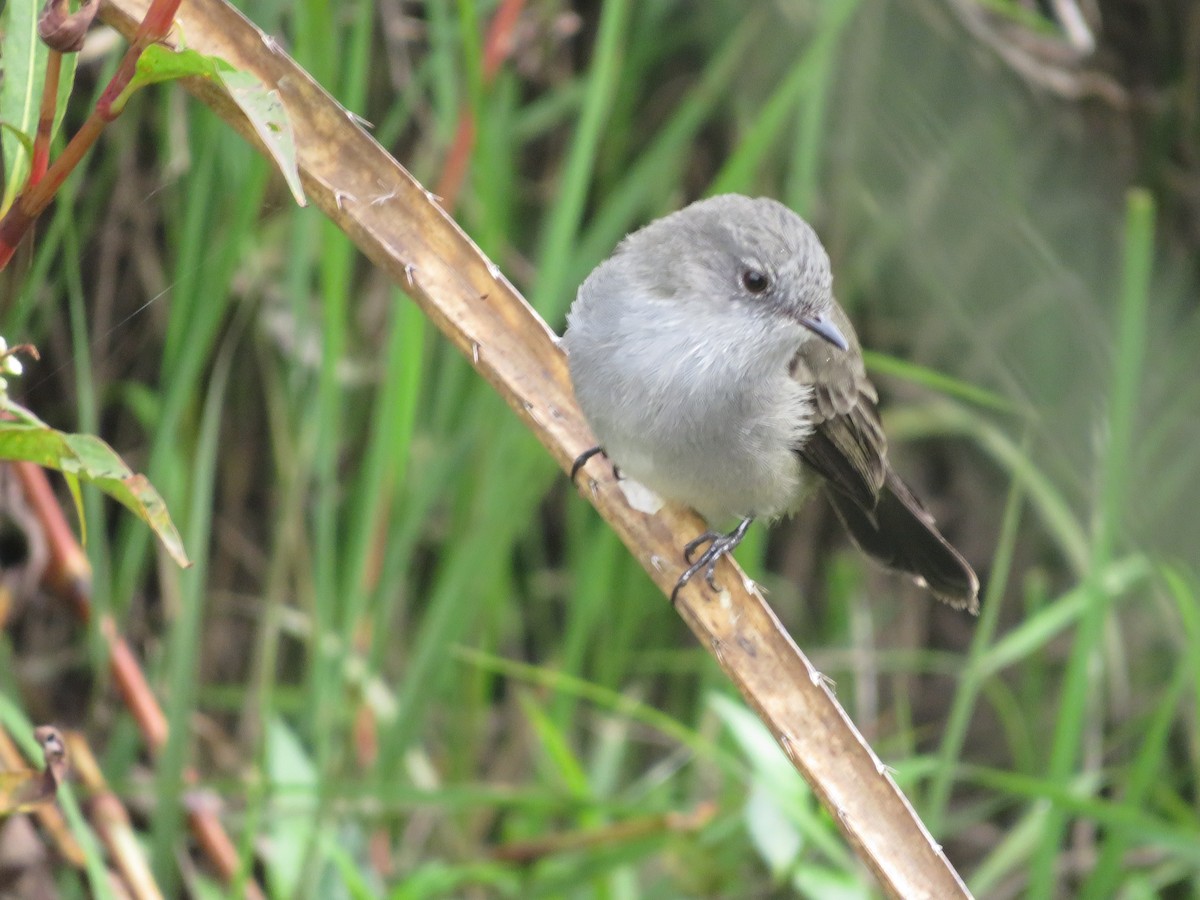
{"points": [[582, 458], [718, 545]]}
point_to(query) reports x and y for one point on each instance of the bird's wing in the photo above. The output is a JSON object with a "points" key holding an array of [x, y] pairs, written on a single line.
{"points": [[848, 449], [847, 446]]}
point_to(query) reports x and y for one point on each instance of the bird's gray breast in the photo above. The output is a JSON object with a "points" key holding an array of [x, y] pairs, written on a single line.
{"points": [[701, 409]]}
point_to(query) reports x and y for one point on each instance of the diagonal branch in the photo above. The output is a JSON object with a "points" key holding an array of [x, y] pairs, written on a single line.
{"points": [[400, 227]]}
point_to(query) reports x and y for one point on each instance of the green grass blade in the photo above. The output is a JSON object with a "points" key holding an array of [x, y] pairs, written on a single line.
{"points": [[1078, 698]]}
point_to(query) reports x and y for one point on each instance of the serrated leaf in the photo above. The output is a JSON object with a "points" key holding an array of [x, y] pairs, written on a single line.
{"points": [[91, 460]]}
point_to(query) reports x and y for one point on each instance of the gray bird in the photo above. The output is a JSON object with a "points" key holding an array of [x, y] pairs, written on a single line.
{"points": [[715, 367]]}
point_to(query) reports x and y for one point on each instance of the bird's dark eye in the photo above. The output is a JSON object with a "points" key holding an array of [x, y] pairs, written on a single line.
{"points": [[755, 281]]}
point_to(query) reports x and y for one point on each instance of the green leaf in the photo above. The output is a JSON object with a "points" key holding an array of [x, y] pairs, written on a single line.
{"points": [[938, 381], [77, 497], [24, 57], [295, 786], [262, 107], [24, 140], [158, 63], [270, 121], [89, 459]]}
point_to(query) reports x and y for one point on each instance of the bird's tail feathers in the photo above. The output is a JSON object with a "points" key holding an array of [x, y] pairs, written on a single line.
{"points": [[901, 534]]}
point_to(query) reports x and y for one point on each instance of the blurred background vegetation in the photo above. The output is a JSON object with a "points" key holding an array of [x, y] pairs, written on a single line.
{"points": [[413, 663]]}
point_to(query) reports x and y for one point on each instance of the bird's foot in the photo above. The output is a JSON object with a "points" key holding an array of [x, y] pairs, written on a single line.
{"points": [[718, 545], [582, 458]]}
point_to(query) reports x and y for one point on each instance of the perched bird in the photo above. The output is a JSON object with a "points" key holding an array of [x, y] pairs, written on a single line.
{"points": [[716, 368]]}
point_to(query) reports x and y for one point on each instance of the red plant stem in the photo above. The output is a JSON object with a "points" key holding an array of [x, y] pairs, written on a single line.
{"points": [[499, 38], [154, 27], [41, 142], [69, 575], [496, 48], [37, 196], [12, 228]]}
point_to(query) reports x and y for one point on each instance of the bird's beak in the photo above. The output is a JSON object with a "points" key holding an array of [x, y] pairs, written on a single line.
{"points": [[822, 327]]}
